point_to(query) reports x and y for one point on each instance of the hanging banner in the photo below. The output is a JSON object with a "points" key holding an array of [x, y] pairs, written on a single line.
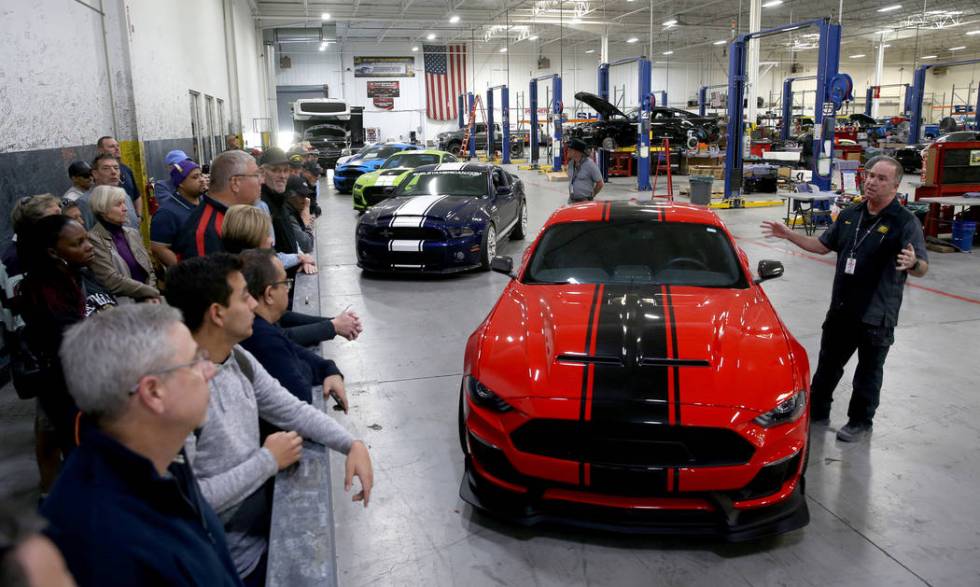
{"points": [[384, 103], [382, 90], [384, 67]]}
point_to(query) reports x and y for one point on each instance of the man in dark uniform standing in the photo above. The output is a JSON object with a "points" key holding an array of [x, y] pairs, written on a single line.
{"points": [[878, 243]]}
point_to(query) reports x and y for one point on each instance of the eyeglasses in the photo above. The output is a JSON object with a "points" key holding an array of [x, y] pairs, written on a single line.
{"points": [[255, 175], [200, 362], [287, 282]]}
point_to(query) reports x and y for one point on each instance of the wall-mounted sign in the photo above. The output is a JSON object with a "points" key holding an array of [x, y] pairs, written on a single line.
{"points": [[384, 103], [382, 89], [384, 67]]}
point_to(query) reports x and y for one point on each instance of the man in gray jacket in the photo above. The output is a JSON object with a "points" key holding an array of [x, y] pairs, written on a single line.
{"points": [[232, 468]]}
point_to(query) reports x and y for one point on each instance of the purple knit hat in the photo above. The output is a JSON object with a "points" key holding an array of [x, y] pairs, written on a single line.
{"points": [[181, 170]]}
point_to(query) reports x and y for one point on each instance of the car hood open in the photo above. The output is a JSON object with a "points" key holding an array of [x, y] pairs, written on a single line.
{"points": [[726, 346], [601, 106]]}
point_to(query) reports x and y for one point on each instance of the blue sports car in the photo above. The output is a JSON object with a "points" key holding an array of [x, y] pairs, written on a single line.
{"points": [[442, 219], [370, 158]]}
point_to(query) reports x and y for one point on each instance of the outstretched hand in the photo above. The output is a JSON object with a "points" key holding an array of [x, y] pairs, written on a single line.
{"points": [[359, 465], [775, 229], [906, 258]]}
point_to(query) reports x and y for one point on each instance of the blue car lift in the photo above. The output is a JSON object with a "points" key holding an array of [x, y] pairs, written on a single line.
{"points": [[646, 99], [788, 103], [918, 93], [556, 108], [869, 96], [703, 98], [504, 124], [833, 88], [461, 109]]}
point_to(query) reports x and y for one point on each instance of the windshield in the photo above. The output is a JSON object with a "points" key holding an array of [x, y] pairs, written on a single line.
{"points": [[455, 183], [410, 160], [378, 152], [637, 251]]}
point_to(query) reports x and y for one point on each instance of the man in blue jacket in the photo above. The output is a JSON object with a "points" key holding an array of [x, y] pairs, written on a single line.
{"points": [[127, 510], [298, 369]]}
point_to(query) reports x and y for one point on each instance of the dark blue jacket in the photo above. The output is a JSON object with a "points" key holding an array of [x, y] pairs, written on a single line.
{"points": [[117, 522], [297, 369], [127, 181]]}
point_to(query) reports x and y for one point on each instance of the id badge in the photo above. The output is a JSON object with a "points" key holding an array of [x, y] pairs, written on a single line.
{"points": [[849, 265]]}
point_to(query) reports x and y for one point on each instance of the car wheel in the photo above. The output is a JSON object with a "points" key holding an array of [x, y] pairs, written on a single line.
{"points": [[454, 148], [517, 150], [608, 143], [488, 249], [520, 231]]}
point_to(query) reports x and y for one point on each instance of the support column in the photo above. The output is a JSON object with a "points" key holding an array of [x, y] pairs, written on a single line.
{"points": [[604, 49], [231, 60], [752, 71], [879, 69]]}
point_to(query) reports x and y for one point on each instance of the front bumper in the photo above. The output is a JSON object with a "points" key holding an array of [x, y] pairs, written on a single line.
{"points": [[645, 517], [450, 255]]}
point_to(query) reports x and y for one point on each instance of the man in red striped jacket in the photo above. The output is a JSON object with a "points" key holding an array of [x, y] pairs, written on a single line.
{"points": [[235, 179]]}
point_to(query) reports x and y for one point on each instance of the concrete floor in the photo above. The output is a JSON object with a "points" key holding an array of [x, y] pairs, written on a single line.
{"points": [[898, 510]]}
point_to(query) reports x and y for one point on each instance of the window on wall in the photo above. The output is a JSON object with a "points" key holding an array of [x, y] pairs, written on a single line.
{"points": [[196, 131], [209, 147]]}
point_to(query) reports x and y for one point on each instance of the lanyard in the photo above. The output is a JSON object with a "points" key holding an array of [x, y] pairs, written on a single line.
{"points": [[857, 242]]}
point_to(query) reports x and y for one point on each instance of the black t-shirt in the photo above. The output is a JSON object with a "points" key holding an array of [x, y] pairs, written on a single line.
{"points": [[873, 292]]}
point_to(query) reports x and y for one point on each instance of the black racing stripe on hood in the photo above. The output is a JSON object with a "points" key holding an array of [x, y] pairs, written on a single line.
{"points": [[668, 301], [588, 349], [620, 211]]}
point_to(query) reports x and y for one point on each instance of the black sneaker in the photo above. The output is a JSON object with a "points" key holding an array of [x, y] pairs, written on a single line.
{"points": [[854, 431]]}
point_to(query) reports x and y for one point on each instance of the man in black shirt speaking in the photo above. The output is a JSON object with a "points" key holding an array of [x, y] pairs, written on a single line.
{"points": [[878, 243]]}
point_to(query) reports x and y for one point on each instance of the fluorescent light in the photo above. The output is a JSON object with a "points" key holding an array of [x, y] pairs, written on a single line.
{"points": [[532, 38], [928, 57], [323, 47], [591, 51], [668, 53], [454, 18], [858, 56], [415, 49], [430, 36], [503, 49], [957, 48], [890, 8], [721, 42], [771, 3], [670, 22], [325, 16], [576, 21], [886, 46], [632, 40], [976, 32]]}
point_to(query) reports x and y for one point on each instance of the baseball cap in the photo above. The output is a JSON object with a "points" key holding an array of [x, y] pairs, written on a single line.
{"points": [[578, 145], [175, 156], [313, 167], [296, 160], [295, 186], [79, 169], [274, 156]]}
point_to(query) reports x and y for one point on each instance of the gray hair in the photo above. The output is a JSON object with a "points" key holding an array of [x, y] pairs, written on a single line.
{"points": [[106, 355], [226, 165], [104, 197], [899, 170]]}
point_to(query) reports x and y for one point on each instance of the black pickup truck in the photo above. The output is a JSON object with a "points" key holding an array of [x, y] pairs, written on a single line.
{"points": [[451, 141]]}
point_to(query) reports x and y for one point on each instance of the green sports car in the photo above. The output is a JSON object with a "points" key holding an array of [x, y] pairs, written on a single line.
{"points": [[373, 187]]}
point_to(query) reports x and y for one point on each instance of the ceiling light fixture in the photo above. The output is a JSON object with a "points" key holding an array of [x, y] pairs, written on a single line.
{"points": [[858, 56], [668, 53], [454, 19], [415, 49], [721, 42], [886, 46], [890, 8], [325, 16], [323, 47], [976, 32], [670, 22], [771, 3], [591, 51], [928, 57], [576, 21], [430, 37], [632, 40], [503, 49], [957, 48]]}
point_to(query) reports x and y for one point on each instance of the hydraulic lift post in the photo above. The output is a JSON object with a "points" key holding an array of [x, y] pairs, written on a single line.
{"points": [[918, 94], [556, 108], [646, 100], [504, 123], [703, 98], [472, 142], [788, 103], [833, 88]]}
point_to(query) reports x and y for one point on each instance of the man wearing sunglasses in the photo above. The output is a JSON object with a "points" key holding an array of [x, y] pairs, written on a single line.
{"points": [[127, 509], [297, 368]]}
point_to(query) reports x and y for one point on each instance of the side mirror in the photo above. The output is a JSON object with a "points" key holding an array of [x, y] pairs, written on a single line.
{"points": [[503, 190], [769, 269], [503, 265]]}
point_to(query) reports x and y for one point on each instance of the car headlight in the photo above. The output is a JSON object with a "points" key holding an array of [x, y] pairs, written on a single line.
{"points": [[363, 229], [460, 231], [483, 396], [788, 410]]}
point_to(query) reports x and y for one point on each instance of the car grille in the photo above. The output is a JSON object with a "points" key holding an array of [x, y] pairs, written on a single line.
{"points": [[374, 194], [350, 174], [625, 444], [405, 233]]}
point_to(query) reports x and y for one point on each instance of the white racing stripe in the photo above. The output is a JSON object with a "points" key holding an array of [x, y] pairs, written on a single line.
{"points": [[412, 213], [405, 246], [450, 166]]}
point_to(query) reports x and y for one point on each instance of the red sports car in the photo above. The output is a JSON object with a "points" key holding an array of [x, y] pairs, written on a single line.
{"points": [[633, 375]]}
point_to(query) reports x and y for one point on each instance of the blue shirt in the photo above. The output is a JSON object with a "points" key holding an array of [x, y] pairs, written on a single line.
{"points": [[127, 181], [118, 522], [171, 215]]}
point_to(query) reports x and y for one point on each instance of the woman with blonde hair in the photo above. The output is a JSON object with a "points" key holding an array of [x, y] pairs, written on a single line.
{"points": [[246, 227], [121, 261]]}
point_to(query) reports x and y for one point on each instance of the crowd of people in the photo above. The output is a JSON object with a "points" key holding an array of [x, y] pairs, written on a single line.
{"points": [[171, 381]]}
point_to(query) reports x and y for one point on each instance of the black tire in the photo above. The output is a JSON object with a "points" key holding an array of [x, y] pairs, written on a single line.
{"points": [[520, 230], [517, 150], [488, 246], [454, 148]]}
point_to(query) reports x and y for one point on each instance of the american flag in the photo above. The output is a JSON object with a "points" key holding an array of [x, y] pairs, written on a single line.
{"points": [[445, 79]]}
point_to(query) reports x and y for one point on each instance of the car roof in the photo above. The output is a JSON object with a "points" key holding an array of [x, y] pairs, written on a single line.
{"points": [[427, 152], [621, 210], [460, 166]]}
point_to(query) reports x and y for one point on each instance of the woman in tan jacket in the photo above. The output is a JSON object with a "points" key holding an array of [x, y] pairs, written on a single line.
{"points": [[121, 261]]}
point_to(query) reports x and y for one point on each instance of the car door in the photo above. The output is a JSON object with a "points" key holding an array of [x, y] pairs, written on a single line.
{"points": [[504, 199]]}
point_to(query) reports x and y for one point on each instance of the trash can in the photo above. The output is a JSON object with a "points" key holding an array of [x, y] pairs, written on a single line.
{"points": [[701, 189]]}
